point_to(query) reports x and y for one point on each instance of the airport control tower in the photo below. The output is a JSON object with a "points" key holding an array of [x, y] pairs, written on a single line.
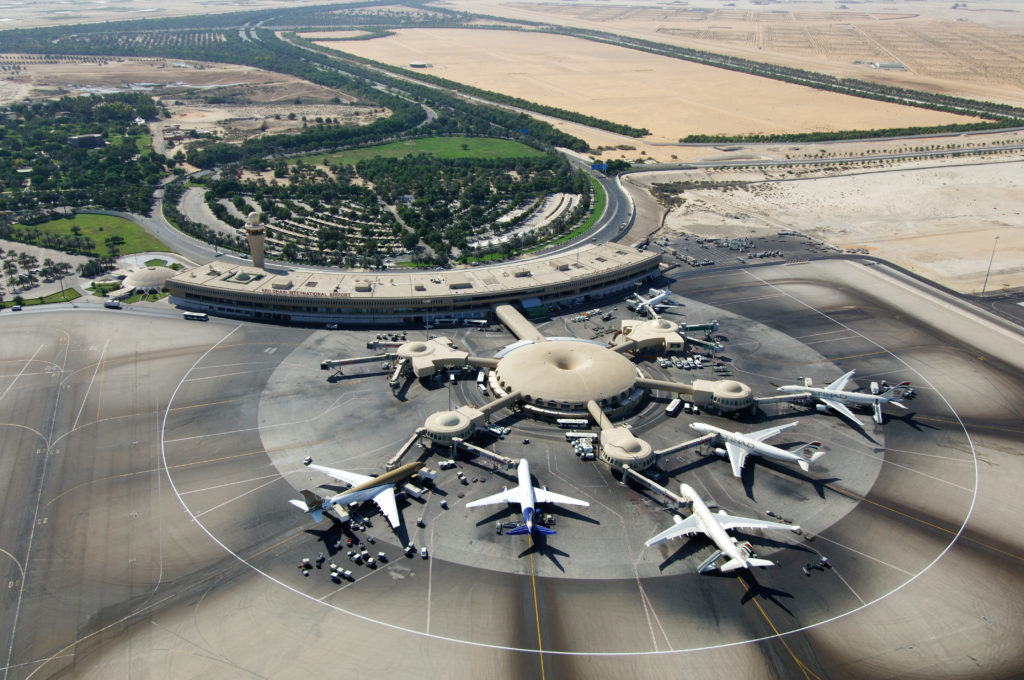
{"points": [[256, 235]]}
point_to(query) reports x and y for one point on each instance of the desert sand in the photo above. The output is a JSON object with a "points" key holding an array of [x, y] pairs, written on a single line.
{"points": [[972, 51], [670, 97], [938, 219]]}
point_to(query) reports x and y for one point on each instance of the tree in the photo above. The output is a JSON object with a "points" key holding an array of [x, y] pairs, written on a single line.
{"points": [[114, 244]]}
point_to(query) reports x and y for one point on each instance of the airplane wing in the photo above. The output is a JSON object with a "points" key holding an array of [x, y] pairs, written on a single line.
{"points": [[841, 408], [737, 456], [761, 435], [385, 500], [350, 478], [543, 496], [506, 496], [841, 382], [687, 527], [732, 522]]}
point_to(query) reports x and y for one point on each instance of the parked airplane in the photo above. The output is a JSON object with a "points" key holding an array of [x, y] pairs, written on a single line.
{"points": [[527, 496], [739, 445], [659, 300], [380, 490], [836, 398], [714, 526]]}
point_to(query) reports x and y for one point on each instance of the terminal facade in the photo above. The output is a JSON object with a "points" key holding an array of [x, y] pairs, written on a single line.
{"points": [[368, 298]]}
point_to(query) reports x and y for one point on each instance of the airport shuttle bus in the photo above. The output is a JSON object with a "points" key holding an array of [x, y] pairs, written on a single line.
{"points": [[196, 316], [573, 423], [673, 407]]}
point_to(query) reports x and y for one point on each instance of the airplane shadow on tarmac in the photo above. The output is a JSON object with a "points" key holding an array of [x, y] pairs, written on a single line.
{"points": [[909, 420], [687, 549], [539, 545], [756, 589], [747, 476]]}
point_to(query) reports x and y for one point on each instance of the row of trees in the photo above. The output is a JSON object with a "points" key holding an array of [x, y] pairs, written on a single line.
{"points": [[810, 137]]}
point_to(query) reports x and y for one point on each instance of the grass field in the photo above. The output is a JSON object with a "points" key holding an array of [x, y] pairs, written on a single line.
{"points": [[441, 147], [68, 294], [101, 227]]}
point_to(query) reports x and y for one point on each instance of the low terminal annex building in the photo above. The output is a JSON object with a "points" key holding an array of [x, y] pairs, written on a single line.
{"points": [[366, 298]]}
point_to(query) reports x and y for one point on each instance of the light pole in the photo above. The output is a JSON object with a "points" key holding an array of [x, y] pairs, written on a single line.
{"points": [[989, 270]]}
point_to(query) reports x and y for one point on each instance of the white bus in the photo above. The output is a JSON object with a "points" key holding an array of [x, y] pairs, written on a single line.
{"points": [[573, 423], [196, 316], [673, 407], [577, 434]]}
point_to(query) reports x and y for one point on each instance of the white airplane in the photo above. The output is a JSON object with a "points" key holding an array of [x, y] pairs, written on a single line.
{"points": [[739, 445], [650, 306], [836, 398], [380, 490], [703, 521], [527, 496]]}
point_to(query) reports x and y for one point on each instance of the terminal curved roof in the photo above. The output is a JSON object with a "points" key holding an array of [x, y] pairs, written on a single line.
{"points": [[568, 371]]}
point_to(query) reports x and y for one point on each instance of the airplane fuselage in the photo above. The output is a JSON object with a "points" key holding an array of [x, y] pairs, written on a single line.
{"points": [[843, 396], [711, 527], [527, 499], [369, 489], [756, 447]]}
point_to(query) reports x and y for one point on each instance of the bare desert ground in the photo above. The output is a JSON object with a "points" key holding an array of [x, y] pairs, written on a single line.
{"points": [[939, 219], [255, 101], [975, 50], [672, 98], [32, 13]]}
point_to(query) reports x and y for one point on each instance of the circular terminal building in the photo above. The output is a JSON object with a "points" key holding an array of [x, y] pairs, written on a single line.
{"points": [[562, 375]]}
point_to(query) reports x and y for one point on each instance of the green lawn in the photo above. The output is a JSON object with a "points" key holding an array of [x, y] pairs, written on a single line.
{"points": [[441, 147], [156, 262], [69, 294], [101, 227]]}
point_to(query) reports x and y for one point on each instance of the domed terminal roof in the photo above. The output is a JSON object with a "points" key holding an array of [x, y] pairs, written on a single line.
{"points": [[566, 371], [451, 423], [622, 447], [415, 349], [149, 278], [732, 388]]}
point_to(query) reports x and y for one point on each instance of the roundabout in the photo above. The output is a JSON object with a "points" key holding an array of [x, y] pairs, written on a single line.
{"points": [[603, 544], [199, 548]]}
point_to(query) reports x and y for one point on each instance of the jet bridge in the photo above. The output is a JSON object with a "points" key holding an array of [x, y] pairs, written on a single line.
{"points": [[507, 463], [397, 458], [781, 398], [336, 364], [396, 374], [676, 499], [686, 446]]}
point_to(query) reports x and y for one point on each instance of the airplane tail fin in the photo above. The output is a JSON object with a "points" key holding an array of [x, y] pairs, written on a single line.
{"points": [[524, 529], [311, 503], [809, 453], [734, 564]]}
